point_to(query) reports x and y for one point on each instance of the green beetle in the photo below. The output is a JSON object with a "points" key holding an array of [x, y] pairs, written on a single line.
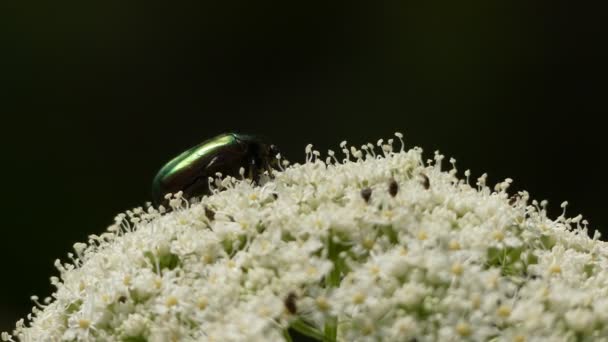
{"points": [[226, 153]]}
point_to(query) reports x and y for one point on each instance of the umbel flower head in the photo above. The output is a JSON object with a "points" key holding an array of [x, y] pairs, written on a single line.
{"points": [[379, 246]]}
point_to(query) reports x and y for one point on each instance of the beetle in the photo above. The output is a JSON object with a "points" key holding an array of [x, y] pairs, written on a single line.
{"points": [[290, 303], [226, 153]]}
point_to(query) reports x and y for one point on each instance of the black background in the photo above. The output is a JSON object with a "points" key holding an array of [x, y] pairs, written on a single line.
{"points": [[97, 96]]}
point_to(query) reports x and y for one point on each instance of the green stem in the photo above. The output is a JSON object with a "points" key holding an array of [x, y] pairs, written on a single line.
{"points": [[287, 335], [307, 330], [333, 280], [331, 329]]}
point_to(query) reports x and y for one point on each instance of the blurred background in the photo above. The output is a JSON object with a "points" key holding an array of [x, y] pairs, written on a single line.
{"points": [[97, 96]]}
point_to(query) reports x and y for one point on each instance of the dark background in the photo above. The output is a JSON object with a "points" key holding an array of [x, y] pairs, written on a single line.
{"points": [[97, 96]]}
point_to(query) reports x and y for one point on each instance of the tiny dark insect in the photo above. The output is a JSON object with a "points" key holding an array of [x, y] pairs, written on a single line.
{"points": [[226, 153], [513, 199], [366, 193], [393, 187], [209, 213], [290, 303], [426, 183]]}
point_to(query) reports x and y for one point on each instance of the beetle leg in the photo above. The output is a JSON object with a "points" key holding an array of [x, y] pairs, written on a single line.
{"points": [[252, 172], [211, 162], [269, 169]]}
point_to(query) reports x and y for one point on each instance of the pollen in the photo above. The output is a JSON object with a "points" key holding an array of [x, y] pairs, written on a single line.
{"points": [[492, 281], [367, 329], [375, 270], [504, 311], [106, 298], [555, 269], [519, 338], [359, 298], [545, 292], [171, 301], [463, 329], [457, 269], [368, 243], [207, 259], [311, 271], [84, 323], [322, 303], [454, 245], [264, 312], [318, 224], [202, 303], [498, 235], [476, 301]]}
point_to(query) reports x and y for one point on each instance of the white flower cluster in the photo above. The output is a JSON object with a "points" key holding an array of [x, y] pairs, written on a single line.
{"points": [[380, 246]]}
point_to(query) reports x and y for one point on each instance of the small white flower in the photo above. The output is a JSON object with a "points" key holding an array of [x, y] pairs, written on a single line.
{"points": [[135, 325], [580, 320]]}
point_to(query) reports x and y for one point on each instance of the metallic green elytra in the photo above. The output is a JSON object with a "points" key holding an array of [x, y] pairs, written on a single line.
{"points": [[225, 153]]}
